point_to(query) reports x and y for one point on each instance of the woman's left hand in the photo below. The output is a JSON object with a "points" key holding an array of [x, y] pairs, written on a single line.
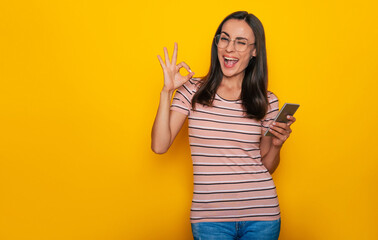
{"points": [[281, 131]]}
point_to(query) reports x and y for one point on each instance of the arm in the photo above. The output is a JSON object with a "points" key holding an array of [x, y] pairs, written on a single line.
{"points": [[168, 123], [270, 154]]}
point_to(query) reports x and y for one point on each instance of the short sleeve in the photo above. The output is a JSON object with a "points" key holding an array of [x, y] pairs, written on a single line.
{"points": [[182, 100], [272, 111]]}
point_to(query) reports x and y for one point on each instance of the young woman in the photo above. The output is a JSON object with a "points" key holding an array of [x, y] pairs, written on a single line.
{"points": [[229, 110]]}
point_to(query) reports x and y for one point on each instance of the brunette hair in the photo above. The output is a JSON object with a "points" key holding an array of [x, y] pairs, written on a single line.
{"points": [[255, 82]]}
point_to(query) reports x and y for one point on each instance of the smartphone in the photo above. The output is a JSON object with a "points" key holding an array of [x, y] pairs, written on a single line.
{"points": [[287, 109]]}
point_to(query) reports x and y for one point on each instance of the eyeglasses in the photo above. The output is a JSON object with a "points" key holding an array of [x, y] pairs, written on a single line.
{"points": [[240, 44]]}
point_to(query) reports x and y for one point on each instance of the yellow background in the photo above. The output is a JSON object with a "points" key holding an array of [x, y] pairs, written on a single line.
{"points": [[79, 89]]}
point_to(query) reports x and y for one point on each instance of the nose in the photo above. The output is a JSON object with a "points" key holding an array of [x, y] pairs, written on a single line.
{"points": [[231, 46]]}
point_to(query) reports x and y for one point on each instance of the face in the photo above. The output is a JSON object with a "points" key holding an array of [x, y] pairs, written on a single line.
{"points": [[234, 63]]}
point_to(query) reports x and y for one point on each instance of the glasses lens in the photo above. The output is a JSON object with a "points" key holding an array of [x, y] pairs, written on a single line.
{"points": [[222, 41], [241, 45], [216, 39]]}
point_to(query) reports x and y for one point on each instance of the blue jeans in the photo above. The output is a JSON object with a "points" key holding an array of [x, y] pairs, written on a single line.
{"points": [[247, 230]]}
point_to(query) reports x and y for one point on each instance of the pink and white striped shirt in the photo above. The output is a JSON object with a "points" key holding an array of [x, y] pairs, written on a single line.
{"points": [[230, 181]]}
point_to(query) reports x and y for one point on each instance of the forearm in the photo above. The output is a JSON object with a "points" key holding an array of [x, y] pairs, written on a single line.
{"points": [[272, 158], [161, 132]]}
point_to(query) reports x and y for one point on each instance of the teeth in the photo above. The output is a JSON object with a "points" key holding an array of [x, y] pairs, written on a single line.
{"points": [[231, 59]]}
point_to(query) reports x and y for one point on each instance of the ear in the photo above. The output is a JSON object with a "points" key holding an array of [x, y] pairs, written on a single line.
{"points": [[253, 53]]}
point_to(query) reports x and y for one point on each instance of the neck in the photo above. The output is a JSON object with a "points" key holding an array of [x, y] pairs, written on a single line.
{"points": [[233, 82]]}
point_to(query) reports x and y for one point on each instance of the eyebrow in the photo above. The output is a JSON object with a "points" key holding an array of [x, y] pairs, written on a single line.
{"points": [[236, 37]]}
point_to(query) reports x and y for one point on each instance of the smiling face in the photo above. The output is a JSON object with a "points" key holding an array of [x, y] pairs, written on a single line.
{"points": [[233, 63]]}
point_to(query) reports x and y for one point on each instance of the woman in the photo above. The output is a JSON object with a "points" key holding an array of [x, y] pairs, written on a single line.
{"points": [[229, 111]]}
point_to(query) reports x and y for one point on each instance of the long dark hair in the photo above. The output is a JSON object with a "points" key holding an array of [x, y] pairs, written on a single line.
{"points": [[255, 82]]}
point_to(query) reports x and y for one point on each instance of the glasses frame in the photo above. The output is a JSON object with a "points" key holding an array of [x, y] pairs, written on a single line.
{"points": [[216, 43]]}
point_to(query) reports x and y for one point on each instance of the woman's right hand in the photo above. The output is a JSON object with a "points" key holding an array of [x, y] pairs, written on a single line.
{"points": [[172, 77]]}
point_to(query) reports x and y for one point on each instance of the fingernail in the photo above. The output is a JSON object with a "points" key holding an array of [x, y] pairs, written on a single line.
{"points": [[274, 123], [190, 70], [288, 116]]}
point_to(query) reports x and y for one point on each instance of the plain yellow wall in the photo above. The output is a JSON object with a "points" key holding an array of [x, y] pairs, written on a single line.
{"points": [[79, 89]]}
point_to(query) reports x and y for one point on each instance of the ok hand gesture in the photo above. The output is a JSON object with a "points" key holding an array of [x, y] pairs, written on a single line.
{"points": [[172, 77]]}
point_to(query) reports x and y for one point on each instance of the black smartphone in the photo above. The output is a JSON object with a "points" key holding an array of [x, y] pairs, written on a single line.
{"points": [[287, 109]]}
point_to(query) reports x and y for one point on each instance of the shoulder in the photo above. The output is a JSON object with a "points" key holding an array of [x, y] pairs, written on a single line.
{"points": [[272, 98], [192, 85]]}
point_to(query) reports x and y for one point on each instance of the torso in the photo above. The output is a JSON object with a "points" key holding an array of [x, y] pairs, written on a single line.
{"points": [[230, 181]]}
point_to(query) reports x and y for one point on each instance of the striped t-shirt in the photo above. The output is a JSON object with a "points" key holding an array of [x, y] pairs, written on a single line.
{"points": [[230, 181]]}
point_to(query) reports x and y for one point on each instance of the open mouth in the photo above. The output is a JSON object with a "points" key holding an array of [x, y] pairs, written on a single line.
{"points": [[229, 62]]}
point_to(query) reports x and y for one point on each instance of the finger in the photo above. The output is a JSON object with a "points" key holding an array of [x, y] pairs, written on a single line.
{"points": [[174, 57], [161, 62], [279, 125], [189, 76], [278, 135], [279, 130], [184, 65], [285, 126], [284, 130], [167, 62], [291, 119]]}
